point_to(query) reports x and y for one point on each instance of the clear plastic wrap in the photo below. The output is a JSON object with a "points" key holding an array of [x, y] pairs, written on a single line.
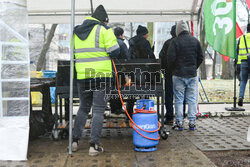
{"points": [[14, 80], [14, 57]]}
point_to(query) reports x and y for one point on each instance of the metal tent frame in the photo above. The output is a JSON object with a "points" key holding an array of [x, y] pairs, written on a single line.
{"points": [[192, 15]]}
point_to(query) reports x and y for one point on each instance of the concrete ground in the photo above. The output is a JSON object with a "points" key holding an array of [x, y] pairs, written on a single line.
{"points": [[226, 131]]}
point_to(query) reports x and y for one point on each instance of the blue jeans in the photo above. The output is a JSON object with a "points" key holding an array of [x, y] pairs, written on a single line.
{"points": [[188, 87], [244, 78], [169, 98]]}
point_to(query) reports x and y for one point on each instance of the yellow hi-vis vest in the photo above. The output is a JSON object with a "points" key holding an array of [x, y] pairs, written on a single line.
{"points": [[242, 48], [91, 55]]}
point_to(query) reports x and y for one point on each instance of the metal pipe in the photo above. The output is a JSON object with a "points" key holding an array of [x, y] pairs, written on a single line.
{"points": [[119, 14], [91, 4], [71, 74]]}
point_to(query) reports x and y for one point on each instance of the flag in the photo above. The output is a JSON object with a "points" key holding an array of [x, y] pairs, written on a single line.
{"points": [[238, 34], [238, 31], [226, 58], [220, 26], [248, 3]]}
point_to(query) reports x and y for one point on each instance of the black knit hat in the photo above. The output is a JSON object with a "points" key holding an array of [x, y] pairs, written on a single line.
{"points": [[173, 31], [101, 14], [248, 27], [141, 30], [118, 31]]}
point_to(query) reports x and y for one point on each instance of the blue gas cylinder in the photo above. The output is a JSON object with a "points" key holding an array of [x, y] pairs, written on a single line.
{"points": [[146, 121], [147, 104]]}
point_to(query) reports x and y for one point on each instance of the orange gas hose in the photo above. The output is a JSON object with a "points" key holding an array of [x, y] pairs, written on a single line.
{"points": [[138, 110]]}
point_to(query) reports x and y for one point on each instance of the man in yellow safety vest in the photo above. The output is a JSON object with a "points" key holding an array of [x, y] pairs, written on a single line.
{"points": [[243, 57], [94, 46]]}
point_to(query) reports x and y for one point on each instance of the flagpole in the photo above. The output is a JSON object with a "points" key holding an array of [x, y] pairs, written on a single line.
{"points": [[234, 108]]}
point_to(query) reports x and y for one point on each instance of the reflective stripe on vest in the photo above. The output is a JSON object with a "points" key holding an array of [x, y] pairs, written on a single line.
{"points": [[92, 59], [112, 48], [97, 36], [96, 49], [90, 50]]}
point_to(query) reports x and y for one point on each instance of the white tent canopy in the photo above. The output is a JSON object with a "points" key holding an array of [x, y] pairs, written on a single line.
{"points": [[59, 11]]}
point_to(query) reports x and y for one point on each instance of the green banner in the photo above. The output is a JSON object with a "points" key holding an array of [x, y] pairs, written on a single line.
{"points": [[220, 26]]}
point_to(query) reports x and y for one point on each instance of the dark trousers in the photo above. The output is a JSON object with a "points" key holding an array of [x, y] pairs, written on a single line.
{"points": [[95, 99], [115, 104], [169, 97]]}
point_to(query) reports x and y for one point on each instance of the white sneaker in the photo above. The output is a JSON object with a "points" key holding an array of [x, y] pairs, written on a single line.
{"points": [[95, 149], [74, 146]]}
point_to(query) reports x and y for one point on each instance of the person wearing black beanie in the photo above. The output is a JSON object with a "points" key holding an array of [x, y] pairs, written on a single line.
{"points": [[141, 30], [95, 45], [139, 46], [101, 14]]}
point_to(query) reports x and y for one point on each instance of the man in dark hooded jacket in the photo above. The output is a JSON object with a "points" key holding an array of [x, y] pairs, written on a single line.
{"points": [[94, 44], [139, 46], [184, 58], [115, 104], [168, 78], [119, 33]]}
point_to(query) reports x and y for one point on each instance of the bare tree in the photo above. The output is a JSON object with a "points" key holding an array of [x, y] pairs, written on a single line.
{"points": [[42, 58], [131, 30]]}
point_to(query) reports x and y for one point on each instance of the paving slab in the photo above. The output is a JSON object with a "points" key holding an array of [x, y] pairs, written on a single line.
{"points": [[180, 149], [217, 134], [119, 152], [218, 110]]}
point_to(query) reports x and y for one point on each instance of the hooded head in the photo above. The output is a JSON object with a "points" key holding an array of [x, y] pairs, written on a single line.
{"points": [[173, 31], [248, 27], [101, 14], [141, 30], [118, 31], [181, 26]]}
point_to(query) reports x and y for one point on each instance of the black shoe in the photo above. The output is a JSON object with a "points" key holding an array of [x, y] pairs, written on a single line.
{"points": [[118, 111], [179, 126], [191, 126], [240, 102]]}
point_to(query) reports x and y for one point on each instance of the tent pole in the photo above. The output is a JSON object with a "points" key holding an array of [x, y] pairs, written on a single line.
{"points": [[91, 5], [234, 108], [71, 74]]}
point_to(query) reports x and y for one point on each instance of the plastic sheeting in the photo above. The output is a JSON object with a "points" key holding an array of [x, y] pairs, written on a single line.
{"points": [[14, 80], [14, 138], [59, 11]]}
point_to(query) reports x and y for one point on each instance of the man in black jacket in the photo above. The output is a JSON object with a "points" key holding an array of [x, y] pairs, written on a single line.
{"points": [[139, 46], [115, 104], [168, 78], [119, 33], [184, 57]]}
